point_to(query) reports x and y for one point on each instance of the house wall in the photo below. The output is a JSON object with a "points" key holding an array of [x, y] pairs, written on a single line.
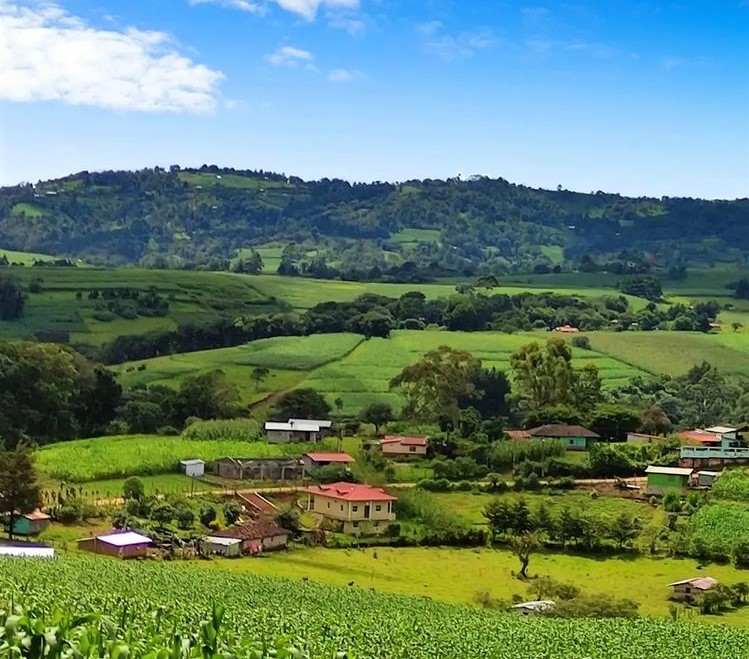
{"points": [[572, 443], [95, 546], [352, 510], [659, 483], [368, 527], [397, 450], [278, 436], [223, 550], [194, 470], [685, 592]]}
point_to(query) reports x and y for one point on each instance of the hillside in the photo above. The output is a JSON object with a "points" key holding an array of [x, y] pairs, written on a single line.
{"points": [[406, 231]]}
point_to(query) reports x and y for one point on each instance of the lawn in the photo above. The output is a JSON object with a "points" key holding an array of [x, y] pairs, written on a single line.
{"points": [[457, 575]]}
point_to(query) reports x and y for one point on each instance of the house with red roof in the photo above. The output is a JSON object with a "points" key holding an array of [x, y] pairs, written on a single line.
{"points": [[319, 459], [360, 509], [398, 446]]}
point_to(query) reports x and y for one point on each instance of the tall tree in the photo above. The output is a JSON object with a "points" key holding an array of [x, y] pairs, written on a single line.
{"points": [[12, 298], [258, 374], [377, 414], [523, 546], [306, 403], [433, 386], [207, 396], [19, 491]]}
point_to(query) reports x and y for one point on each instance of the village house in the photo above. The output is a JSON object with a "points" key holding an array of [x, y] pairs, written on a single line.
{"points": [[536, 607], [123, 544], [26, 550], [717, 443], [316, 460], [361, 509], [276, 469], [193, 468], [257, 535], [397, 446], [690, 589], [567, 329], [297, 430], [574, 438], [218, 546], [661, 479], [517, 434], [32, 523]]}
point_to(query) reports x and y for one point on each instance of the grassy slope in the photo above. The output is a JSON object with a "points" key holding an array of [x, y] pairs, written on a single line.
{"points": [[27, 258], [456, 575]]}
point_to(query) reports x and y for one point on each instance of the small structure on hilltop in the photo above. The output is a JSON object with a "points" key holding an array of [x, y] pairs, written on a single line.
{"points": [[574, 438], [320, 459], [534, 608], [257, 535], [297, 430], [360, 509], [123, 544], [567, 329], [219, 546], [26, 550], [661, 479], [32, 523], [276, 469], [193, 468], [398, 446], [689, 590]]}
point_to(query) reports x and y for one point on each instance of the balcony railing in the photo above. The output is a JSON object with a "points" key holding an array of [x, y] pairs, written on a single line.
{"points": [[706, 452]]}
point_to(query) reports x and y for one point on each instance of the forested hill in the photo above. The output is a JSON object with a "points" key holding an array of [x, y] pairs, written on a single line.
{"points": [[199, 218]]}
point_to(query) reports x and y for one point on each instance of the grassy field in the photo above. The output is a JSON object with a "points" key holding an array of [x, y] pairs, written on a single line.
{"points": [[457, 575], [27, 258]]}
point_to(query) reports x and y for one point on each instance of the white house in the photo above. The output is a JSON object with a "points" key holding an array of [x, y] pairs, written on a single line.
{"points": [[297, 430], [194, 468]]}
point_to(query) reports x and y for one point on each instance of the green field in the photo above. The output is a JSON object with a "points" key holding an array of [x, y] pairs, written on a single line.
{"points": [[24, 209], [162, 605], [207, 180], [27, 258]]}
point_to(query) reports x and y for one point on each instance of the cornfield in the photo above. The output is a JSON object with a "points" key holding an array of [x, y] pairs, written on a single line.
{"points": [[86, 607]]}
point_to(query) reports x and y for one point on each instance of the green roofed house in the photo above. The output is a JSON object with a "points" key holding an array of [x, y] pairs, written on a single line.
{"points": [[661, 479], [574, 438]]}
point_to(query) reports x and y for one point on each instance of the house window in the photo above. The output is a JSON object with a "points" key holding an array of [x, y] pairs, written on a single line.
{"points": [[355, 509], [341, 507], [376, 524], [378, 508], [412, 449], [328, 504], [356, 525]]}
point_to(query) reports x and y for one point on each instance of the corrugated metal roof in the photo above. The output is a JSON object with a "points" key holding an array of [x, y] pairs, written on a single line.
{"points": [[192, 462], [126, 539], [330, 457], [669, 471], [225, 542], [351, 492], [721, 430], [701, 583]]}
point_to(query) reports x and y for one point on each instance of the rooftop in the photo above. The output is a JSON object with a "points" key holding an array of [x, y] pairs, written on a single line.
{"points": [[562, 430], [518, 434], [330, 457], [412, 440], [700, 583], [26, 550], [351, 492], [257, 529], [669, 471], [225, 542], [723, 430], [536, 605], [701, 436], [303, 425], [124, 539], [192, 462]]}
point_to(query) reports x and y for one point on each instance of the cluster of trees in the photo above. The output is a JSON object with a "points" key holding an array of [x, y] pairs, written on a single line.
{"points": [[741, 289], [12, 298], [128, 303], [484, 225], [646, 287]]}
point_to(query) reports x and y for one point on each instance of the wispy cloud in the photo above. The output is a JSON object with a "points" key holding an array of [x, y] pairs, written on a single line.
{"points": [[347, 21], [669, 64], [431, 27], [47, 54], [460, 46], [289, 56], [343, 76], [306, 9]]}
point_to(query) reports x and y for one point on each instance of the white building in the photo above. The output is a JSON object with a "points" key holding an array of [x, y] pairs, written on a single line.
{"points": [[194, 468], [297, 430]]}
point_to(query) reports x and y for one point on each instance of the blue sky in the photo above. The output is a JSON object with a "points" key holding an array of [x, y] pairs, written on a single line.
{"points": [[642, 98]]}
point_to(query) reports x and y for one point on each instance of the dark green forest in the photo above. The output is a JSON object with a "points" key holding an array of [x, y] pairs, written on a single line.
{"points": [[198, 218]]}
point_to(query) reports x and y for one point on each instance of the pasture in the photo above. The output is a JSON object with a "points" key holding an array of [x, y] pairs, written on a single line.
{"points": [[27, 258]]}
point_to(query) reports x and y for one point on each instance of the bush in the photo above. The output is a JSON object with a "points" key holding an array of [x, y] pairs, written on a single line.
{"points": [[582, 342], [216, 429], [103, 316], [167, 431], [333, 473], [434, 484]]}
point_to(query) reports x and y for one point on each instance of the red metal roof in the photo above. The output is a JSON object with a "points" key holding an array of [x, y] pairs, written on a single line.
{"points": [[701, 436], [351, 492], [37, 516], [406, 441], [329, 457]]}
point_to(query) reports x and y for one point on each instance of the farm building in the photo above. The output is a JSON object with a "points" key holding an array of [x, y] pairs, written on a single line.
{"points": [[517, 434], [567, 329], [297, 430], [32, 523], [26, 550], [661, 479], [361, 509], [690, 589], [641, 438], [257, 535], [276, 469], [575, 438], [229, 547], [194, 468], [534, 608], [707, 478], [394, 446], [317, 460], [124, 544]]}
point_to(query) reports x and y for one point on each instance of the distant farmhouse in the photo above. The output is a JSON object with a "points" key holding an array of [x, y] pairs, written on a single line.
{"points": [[258, 469], [319, 459], [661, 479], [689, 590], [32, 523], [575, 438], [297, 430], [123, 544], [715, 445], [394, 446]]}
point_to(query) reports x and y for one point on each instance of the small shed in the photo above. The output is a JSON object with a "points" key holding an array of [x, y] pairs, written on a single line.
{"points": [[320, 459], [229, 547], [26, 550], [194, 468], [661, 479], [123, 544], [534, 608], [32, 523], [690, 589], [707, 478]]}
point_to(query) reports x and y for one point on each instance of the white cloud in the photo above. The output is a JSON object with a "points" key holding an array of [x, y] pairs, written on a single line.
{"points": [[343, 76], [460, 46], [340, 20], [429, 28], [307, 9], [289, 56], [47, 54]]}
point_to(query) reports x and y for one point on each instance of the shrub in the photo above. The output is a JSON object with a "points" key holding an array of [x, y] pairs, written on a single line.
{"points": [[217, 429], [434, 484], [582, 342], [168, 431], [207, 515]]}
